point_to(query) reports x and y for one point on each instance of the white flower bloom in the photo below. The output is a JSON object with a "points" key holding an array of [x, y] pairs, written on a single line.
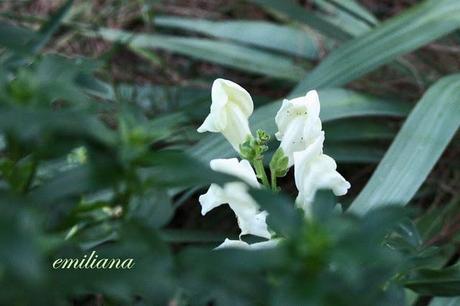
{"points": [[250, 219], [314, 170], [239, 244], [230, 109], [298, 124]]}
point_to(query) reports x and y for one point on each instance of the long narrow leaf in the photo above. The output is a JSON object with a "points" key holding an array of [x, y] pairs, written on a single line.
{"points": [[51, 26], [263, 34], [417, 147], [224, 53], [402, 34], [294, 12]]}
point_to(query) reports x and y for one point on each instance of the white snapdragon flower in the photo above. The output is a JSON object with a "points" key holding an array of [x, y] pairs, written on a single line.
{"points": [[230, 109], [250, 219], [239, 244], [298, 124], [313, 171]]}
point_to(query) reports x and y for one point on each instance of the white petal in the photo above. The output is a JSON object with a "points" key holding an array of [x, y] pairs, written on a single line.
{"points": [[237, 129], [233, 244], [298, 123], [238, 244], [229, 112], [314, 170], [231, 92], [212, 199], [208, 125], [250, 219], [241, 169]]}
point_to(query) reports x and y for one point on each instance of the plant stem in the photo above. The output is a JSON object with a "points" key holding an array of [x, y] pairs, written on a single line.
{"points": [[260, 171], [273, 180]]}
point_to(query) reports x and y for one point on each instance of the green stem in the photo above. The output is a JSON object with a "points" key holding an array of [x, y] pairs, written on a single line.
{"points": [[273, 180], [260, 171]]}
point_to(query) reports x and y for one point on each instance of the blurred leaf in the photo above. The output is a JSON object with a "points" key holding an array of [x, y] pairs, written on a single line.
{"points": [[440, 301], [435, 218], [294, 12], [15, 38], [263, 34], [50, 27], [412, 29], [415, 150], [362, 129], [36, 129], [444, 282], [354, 153], [224, 53], [283, 216], [323, 205], [152, 208]]}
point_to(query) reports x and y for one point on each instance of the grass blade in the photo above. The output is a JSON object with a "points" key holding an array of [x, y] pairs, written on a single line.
{"points": [[294, 12], [402, 34], [263, 34], [347, 14], [421, 141], [224, 53], [50, 27]]}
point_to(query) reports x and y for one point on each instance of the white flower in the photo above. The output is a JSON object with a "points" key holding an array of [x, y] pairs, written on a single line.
{"points": [[314, 170], [250, 219], [239, 244], [298, 124], [230, 109]]}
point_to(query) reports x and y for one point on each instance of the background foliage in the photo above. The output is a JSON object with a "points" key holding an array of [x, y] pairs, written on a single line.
{"points": [[99, 102]]}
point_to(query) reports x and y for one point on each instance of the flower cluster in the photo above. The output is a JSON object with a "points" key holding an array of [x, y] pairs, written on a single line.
{"points": [[301, 145]]}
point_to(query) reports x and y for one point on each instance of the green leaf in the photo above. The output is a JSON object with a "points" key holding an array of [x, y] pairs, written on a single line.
{"points": [[152, 208], [292, 11], [399, 35], [417, 147], [263, 34], [224, 53], [336, 104], [363, 129], [347, 14], [50, 27], [354, 153], [444, 282], [15, 38]]}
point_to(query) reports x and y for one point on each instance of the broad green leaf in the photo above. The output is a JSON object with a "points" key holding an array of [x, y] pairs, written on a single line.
{"points": [[292, 11], [15, 38], [354, 153], [419, 144], [363, 129], [224, 53], [263, 34], [336, 104], [399, 35]]}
